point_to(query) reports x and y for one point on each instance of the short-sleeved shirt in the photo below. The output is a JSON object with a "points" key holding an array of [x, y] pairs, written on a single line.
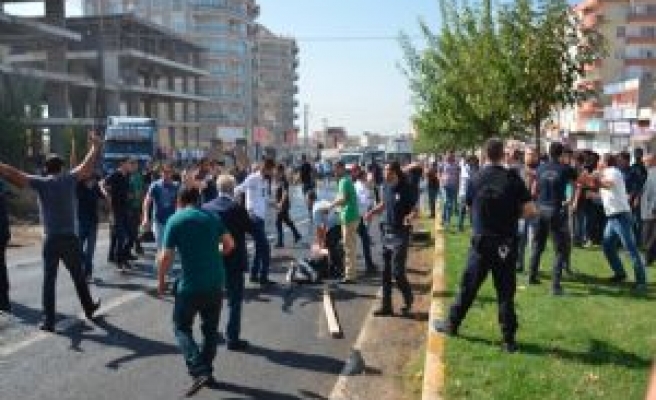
{"points": [[329, 219], [57, 202], [399, 202], [349, 212], [615, 199], [119, 190], [552, 179], [87, 201], [164, 195], [196, 235], [502, 221], [451, 175], [136, 191]]}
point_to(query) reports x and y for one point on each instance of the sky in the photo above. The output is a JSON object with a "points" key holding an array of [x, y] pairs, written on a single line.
{"points": [[345, 79]]}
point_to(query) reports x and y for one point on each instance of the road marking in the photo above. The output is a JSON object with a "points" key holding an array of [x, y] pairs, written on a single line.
{"points": [[340, 390], [67, 324]]}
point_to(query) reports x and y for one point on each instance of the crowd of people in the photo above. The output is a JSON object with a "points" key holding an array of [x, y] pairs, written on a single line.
{"points": [[518, 198], [202, 217]]}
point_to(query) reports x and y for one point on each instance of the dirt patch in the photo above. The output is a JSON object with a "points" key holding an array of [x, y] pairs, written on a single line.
{"points": [[393, 348]]}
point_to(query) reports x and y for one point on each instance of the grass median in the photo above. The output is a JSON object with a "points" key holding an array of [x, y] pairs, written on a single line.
{"points": [[596, 342]]}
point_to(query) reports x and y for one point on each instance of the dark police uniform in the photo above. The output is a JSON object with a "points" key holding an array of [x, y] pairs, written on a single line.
{"points": [[399, 202], [497, 196], [552, 180], [5, 235]]}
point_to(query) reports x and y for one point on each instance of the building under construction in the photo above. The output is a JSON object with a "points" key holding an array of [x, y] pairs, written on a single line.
{"points": [[93, 67]]}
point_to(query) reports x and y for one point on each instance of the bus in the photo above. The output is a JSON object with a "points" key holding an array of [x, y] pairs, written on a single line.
{"points": [[134, 137]]}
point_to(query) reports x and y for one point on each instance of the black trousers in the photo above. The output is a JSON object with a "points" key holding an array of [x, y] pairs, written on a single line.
{"points": [[119, 249], [499, 256], [395, 255], [556, 224], [64, 248], [283, 217], [5, 305]]}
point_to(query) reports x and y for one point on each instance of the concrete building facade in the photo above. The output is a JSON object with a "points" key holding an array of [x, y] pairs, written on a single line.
{"points": [[225, 29], [94, 67], [276, 62]]}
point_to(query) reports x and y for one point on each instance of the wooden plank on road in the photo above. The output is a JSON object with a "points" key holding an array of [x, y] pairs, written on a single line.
{"points": [[331, 315]]}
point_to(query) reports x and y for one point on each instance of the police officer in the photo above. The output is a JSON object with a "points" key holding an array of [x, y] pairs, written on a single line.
{"points": [[552, 178], [398, 204], [498, 198]]}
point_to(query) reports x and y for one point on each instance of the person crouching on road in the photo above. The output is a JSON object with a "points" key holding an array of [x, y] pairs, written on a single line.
{"points": [[201, 239], [238, 223], [498, 198], [399, 207]]}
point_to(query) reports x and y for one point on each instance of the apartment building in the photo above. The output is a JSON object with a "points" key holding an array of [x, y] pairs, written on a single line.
{"points": [[276, 62], [225, 29], [621, 115], [92, 67]]}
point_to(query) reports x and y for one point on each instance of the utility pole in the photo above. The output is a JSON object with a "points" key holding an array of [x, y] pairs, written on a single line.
{"points": [[306, 125]]}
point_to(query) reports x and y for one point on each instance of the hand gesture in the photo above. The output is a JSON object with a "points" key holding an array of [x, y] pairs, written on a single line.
{"points": [[95, 139]]}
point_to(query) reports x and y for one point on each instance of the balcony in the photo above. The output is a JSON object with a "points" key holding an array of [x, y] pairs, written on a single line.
{"points": [[641, 38], [642, 14], [616, 113]]}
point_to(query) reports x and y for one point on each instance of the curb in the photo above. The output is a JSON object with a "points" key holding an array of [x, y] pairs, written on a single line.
{"points": [[434, 367]]}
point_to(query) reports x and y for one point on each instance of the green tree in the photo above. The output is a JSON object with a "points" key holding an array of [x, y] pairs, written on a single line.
{"points": [[20, 101], [497, 71], [550, 47]]}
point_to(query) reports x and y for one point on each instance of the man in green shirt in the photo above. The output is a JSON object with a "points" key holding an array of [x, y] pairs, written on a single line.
{"points": [[349, 219], [197, 236]]}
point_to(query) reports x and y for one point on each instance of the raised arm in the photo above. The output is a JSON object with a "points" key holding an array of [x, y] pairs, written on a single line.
{"points": [[85, 169], [13, 175]]}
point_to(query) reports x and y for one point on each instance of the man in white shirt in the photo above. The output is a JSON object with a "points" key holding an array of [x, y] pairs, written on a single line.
{"points": [[620, 221], [256, 189], [365, 203]]}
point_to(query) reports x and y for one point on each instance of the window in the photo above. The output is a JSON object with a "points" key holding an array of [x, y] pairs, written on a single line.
{"points": [[621, 31]]}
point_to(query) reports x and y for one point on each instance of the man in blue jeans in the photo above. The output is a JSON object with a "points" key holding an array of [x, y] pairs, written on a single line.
{"points": [[57, 205], [256, 189], [196, 235], [236, 219], [620, 221], [450, 177]]}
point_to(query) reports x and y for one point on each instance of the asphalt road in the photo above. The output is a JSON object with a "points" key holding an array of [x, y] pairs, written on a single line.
{"points": [[130, 352]]}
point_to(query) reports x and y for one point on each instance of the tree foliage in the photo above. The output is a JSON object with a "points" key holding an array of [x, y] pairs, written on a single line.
{"points": [[496, 70], [20, 100]]}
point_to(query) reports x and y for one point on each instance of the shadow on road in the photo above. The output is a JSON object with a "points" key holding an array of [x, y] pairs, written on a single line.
{"points": [[139, 347], [250, 393], [302, 361]]}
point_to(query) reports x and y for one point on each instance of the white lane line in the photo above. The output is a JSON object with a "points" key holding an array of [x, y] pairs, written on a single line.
{"points": [[66, 324], [340, 390]]}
